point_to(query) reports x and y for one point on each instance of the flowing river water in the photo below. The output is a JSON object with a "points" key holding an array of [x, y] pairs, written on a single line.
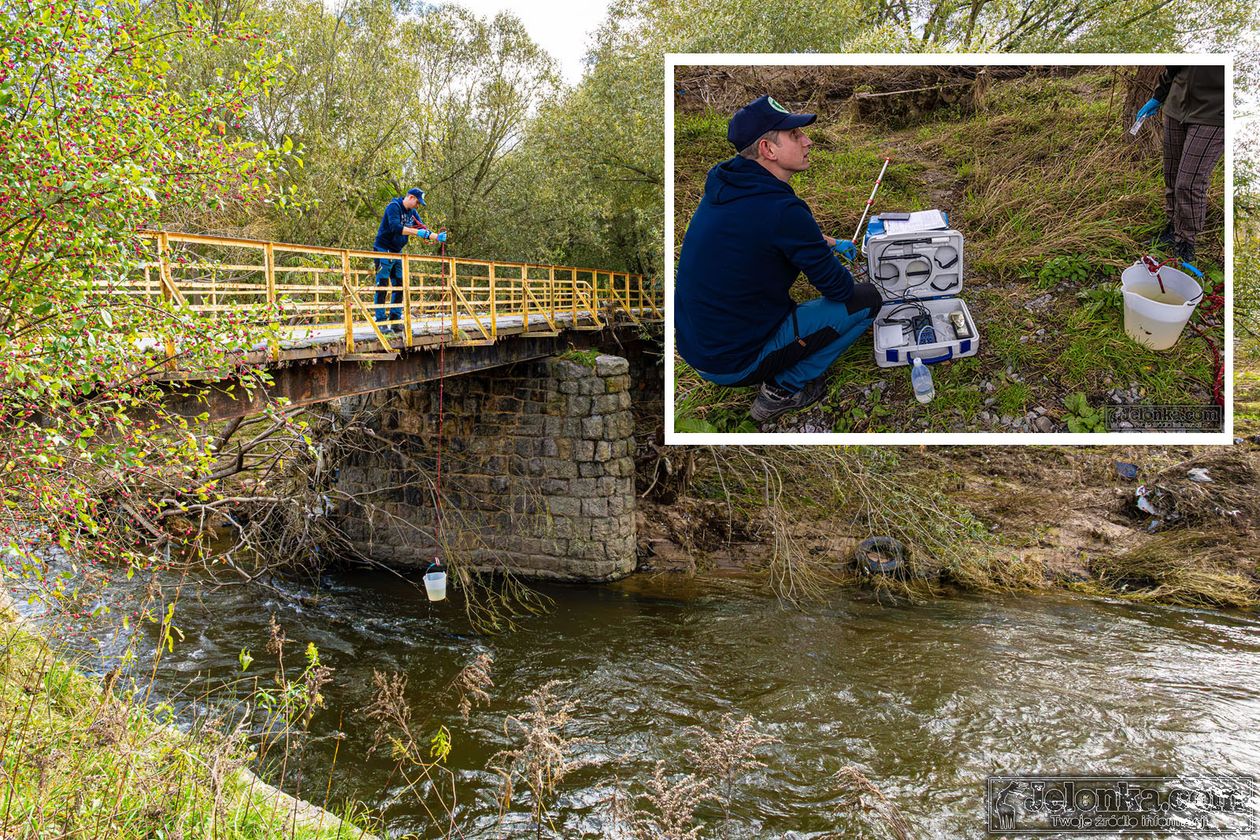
{"points": [[926, 700]]}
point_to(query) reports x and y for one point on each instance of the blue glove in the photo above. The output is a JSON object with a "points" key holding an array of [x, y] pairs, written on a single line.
{"points": [[1151, 106], [441, 237], [845, 248]]}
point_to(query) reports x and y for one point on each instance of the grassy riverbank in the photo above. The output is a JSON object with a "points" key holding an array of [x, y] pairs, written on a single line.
{"points": [[1054, 199], [79, 762]]}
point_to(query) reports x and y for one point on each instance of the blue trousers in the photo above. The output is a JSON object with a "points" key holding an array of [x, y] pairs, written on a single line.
{"points": [[808, 341], [388, 273]]}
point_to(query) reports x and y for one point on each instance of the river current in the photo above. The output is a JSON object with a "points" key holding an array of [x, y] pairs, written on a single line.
{"points": [[926, 700]]}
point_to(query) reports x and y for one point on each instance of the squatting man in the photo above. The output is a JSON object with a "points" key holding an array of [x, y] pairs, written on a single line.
{"points": [[749, 239]]}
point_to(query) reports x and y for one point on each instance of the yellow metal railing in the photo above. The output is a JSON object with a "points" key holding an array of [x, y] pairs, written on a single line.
{"points": [[312, 295]]}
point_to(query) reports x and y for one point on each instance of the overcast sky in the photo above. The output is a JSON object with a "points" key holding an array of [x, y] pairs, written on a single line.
{"points": [[561, 29]]}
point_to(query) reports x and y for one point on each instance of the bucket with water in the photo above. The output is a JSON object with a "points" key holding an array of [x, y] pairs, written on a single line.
{"points": [[1158, 301], [435, 583]]}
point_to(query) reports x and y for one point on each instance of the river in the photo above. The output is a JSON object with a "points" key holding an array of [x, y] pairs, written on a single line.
{"points": [[926, 700]]}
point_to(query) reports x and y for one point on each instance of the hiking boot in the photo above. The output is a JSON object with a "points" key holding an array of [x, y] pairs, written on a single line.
{"points": [[772, 400], [1165, 240], [1185, 252]]}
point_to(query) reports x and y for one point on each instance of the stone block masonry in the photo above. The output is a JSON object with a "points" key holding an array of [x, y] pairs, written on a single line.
{"points": [[537, 471]]}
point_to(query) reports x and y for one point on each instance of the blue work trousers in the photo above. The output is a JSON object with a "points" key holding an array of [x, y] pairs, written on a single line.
{"points": [[808, 341], [388, 273]]}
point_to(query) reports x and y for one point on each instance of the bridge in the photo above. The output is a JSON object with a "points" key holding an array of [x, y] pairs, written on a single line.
{"points": [[539, 448], [314, 309]]}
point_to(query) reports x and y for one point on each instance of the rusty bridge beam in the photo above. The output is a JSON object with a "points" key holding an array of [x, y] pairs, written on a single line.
{"points": [[329, 378]]}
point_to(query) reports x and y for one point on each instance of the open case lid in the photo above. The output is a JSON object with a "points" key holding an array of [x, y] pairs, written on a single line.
{"points": [[921, 264]]}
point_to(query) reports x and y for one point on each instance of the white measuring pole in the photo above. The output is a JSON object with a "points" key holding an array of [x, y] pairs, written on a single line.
{"points": [[871, 200]]}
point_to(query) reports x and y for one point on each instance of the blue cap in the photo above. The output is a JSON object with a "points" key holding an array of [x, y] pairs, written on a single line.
{"points": [[418, 193], [758, 117]]}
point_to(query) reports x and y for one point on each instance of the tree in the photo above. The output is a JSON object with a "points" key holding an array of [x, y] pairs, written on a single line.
{"points": [[95, 145]]}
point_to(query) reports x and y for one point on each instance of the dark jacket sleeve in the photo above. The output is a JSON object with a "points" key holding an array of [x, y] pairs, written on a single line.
{"points": [[802, 243], [1165, 82], [393, 218]]}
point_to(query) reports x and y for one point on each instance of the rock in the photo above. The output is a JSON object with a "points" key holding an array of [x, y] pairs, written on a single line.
{"points": [[1044, 424], [989, 401], [1126, 471], [606, 365]]}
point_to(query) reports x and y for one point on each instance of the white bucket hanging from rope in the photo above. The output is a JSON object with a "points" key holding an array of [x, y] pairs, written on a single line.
{"points": [[1157, 303], [435, 583]]}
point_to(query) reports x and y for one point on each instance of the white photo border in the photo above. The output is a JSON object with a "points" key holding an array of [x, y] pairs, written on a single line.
{"points": [[673, 60]]}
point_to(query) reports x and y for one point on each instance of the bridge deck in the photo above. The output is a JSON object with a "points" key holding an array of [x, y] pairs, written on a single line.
{"points": [[314, 302]]}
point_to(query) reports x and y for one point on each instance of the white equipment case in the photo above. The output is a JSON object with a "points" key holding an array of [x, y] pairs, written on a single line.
{"points": [[918, 263]]}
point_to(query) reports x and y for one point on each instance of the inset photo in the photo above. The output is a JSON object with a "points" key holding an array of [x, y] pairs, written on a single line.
{"points": [[1026, 250]]}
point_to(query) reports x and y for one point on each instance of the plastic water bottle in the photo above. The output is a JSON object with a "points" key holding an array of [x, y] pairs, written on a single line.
{"points": [[921, 381]]}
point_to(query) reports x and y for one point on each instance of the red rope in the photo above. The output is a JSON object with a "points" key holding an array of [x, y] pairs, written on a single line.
{"points": [[1212, 304], [437, 502]]}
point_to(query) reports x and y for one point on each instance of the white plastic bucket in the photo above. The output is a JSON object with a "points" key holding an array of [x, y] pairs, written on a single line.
{"points": [[435, 585], [1156, 318]]}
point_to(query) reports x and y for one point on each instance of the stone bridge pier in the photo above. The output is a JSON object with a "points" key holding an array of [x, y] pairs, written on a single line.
{"points": [[537, 470]]}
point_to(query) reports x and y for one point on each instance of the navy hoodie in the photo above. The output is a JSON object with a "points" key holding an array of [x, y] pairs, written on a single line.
{"points": [[748, 241], [389, 236]]}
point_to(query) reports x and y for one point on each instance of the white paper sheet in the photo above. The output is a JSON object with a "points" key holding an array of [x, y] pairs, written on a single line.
{"points": [[919, 220]]}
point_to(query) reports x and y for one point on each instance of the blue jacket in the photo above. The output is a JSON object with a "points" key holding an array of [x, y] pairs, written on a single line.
{"points": [[389, 236], [748, 241]]}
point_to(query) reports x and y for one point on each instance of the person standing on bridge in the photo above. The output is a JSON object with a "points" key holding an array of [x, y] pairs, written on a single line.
{"points": [[748, 241], [399, 221]]}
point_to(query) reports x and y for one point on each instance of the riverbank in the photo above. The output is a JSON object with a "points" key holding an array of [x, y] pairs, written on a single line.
{"points": [[1028, 518], [80, 762]]}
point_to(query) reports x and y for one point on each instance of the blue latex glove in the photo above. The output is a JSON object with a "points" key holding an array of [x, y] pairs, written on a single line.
{"points": [[845, 248], [441, 237], [1151, 106]]}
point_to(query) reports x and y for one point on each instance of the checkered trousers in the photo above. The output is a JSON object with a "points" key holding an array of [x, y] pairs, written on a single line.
{"points": [[1190, 153]]}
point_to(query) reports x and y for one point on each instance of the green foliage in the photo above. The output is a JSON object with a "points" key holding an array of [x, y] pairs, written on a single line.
{"points": [[1067, 268], [79, 761], [1101, 298], [1013, 398], [1081, 416], [582, 357], [97, 144]]}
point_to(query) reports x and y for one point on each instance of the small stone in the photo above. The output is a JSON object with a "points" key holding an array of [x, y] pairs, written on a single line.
{"points": [[1044, 424], [988, 401]]}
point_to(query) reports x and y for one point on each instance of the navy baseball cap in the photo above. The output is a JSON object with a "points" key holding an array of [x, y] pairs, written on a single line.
{"points": [[418, 193], [758, 117]]}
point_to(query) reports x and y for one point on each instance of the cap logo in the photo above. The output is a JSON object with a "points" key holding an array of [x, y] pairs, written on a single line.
{"points": [[774, 103]]}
